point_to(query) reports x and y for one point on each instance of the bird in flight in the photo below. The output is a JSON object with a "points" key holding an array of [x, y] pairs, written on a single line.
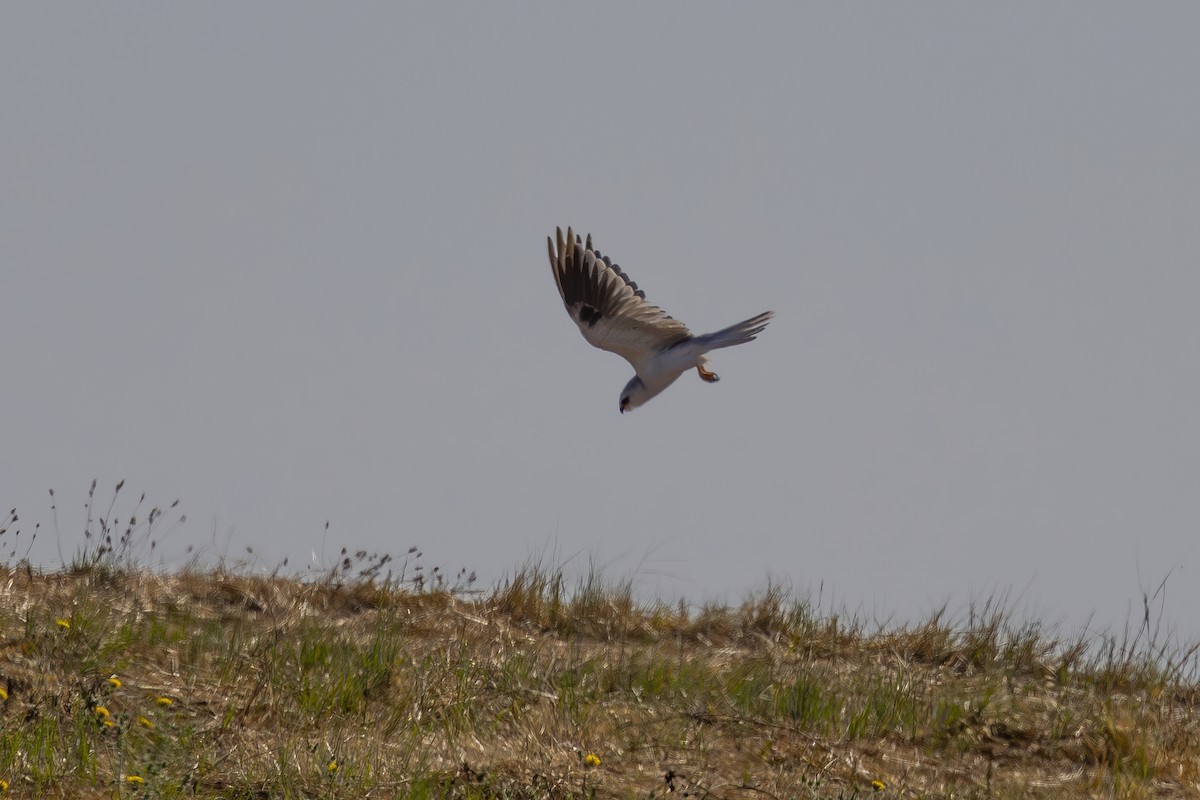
{"points": [[612, 313]]}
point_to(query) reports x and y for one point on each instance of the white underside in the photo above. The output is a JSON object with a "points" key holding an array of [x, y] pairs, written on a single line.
{"points": [[665, 368]]}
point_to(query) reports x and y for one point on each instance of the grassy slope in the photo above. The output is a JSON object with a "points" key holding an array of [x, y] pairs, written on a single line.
{"points": [[236, 686]]}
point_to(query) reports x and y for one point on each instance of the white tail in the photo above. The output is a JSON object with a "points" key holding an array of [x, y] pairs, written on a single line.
{"points": [[742, 332]]}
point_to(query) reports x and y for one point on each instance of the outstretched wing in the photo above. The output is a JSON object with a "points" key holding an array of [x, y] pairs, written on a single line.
{"points": [[608, 307]]}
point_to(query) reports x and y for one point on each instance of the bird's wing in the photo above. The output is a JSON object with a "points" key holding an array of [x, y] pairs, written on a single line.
{"points": [[608, 307]]}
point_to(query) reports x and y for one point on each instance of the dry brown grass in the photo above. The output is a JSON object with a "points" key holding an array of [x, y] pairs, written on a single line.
{"points": [[504, 694]]}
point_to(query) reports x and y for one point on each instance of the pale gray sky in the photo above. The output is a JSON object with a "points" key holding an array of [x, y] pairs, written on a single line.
{"points": [[286, 262]]}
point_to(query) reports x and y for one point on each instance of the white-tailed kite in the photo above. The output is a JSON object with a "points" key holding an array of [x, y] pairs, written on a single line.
{"points": [[613, 315]]}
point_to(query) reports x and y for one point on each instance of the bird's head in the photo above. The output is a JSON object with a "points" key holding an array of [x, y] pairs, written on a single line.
{"points": [[633, 395]]}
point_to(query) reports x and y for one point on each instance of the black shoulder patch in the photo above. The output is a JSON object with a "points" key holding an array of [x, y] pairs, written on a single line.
{"points": [[589, 315]]}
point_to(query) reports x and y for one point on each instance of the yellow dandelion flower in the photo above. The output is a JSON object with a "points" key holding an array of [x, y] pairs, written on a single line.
{"points": [[878, 785], [3, 785], [3, 693], [65, 624], [333, 765], [108, 723], [165, 702], [136, 780], [592, 760], [114, 681], [145, 723], [102, 711]]}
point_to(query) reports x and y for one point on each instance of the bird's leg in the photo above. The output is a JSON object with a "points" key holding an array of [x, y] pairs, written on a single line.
{"points": [[705, 375]]}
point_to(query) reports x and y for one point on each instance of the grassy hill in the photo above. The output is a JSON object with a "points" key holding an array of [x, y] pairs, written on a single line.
{"points": [[122, 682]]}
